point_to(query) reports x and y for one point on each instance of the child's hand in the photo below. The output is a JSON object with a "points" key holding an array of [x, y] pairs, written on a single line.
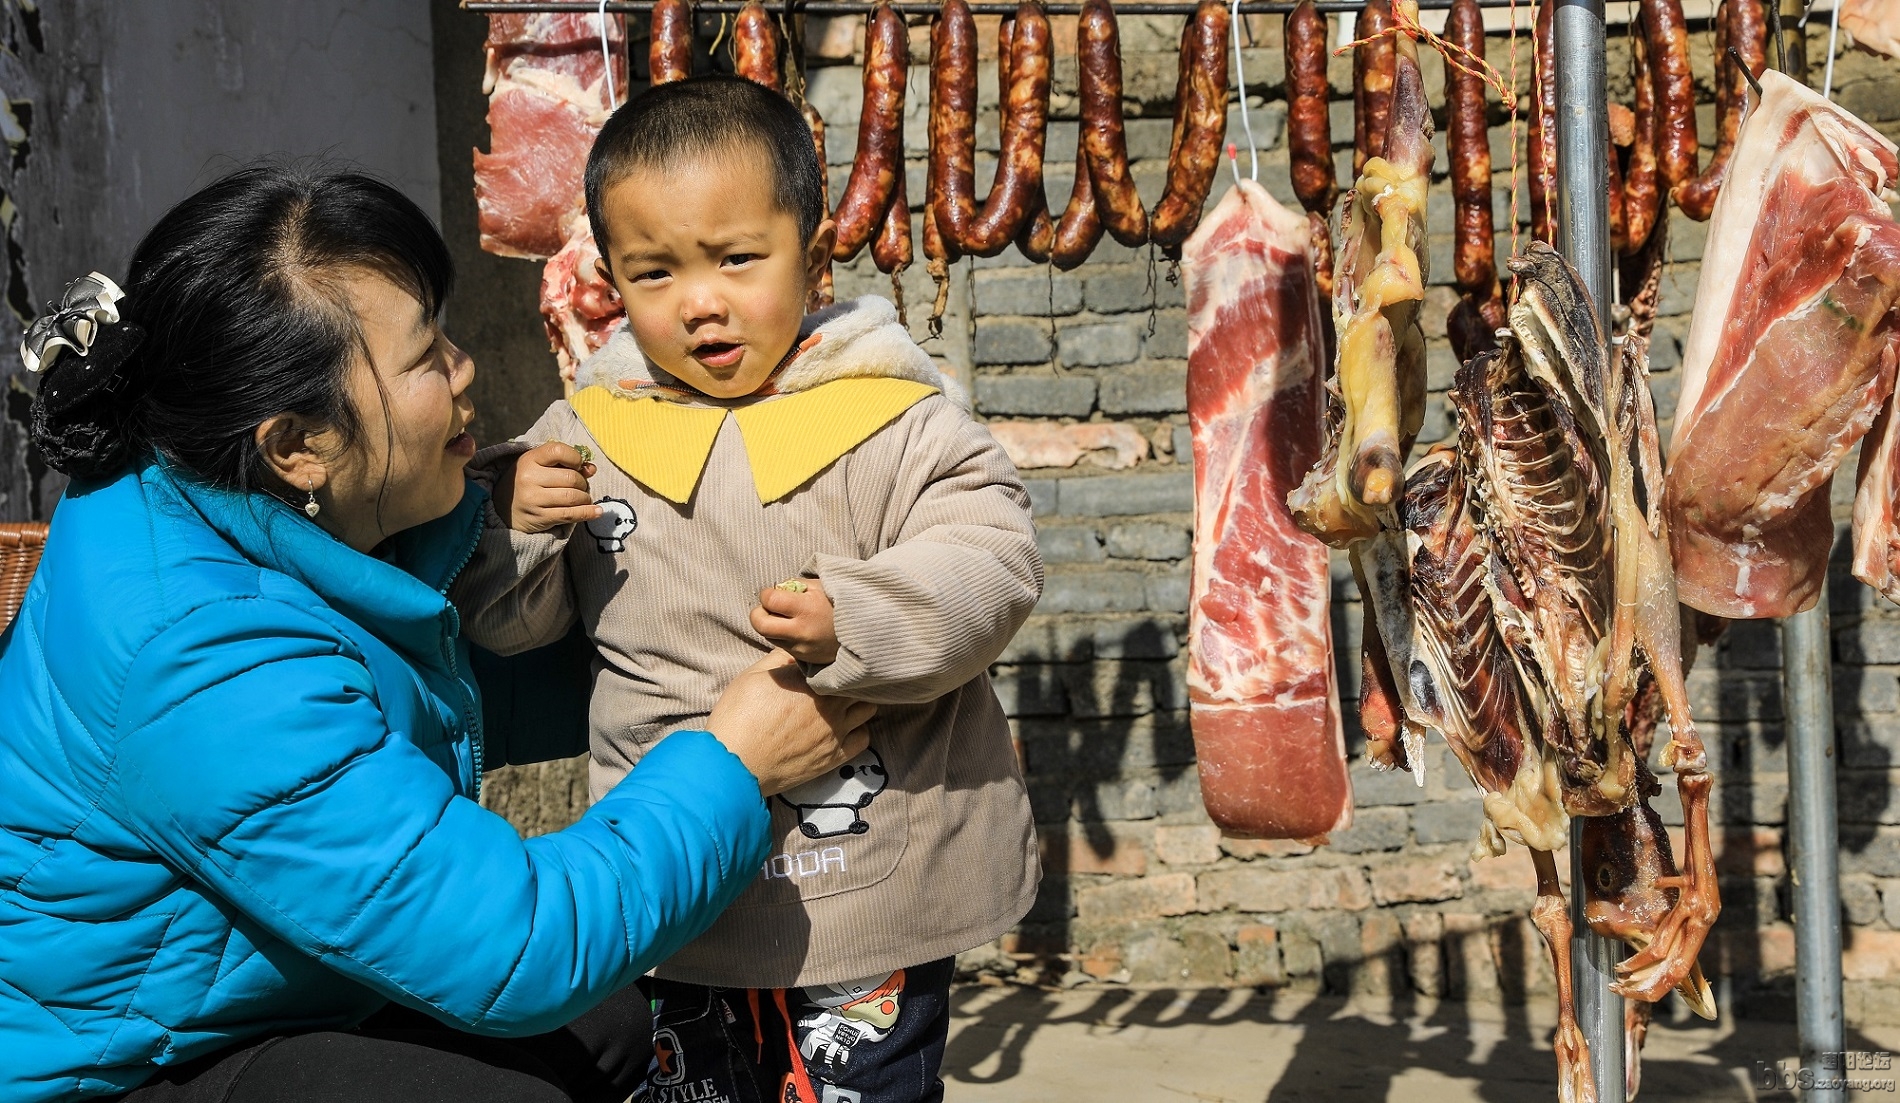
{"points": [[549, 490], [798, 620]]}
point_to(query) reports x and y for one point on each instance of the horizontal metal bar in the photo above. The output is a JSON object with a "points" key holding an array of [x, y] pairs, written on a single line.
{"points": [[914, 7]]}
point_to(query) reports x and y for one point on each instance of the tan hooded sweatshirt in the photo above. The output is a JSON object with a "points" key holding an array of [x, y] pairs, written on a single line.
{"points": [[858, 465]]}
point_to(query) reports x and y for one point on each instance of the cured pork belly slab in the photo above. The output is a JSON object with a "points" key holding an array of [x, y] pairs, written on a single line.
{"points": [[1790, 356], [1261, 690], [547, 98], [581, 310]]}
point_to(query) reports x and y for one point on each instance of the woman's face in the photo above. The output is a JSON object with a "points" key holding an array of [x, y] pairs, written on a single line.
{"points": [[405, 467]]}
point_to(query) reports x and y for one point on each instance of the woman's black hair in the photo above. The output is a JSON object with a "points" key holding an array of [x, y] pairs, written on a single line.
{"points": [[238, 292]]}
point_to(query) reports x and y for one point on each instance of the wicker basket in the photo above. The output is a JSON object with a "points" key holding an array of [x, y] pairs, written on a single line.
{"points": [[20, 547]]}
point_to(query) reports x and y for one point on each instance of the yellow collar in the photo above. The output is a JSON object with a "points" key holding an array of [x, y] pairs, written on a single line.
{"points": [[664, 445]]}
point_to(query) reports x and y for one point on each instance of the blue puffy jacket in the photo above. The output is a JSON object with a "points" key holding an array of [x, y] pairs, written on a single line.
{"points": [[237, 762]]}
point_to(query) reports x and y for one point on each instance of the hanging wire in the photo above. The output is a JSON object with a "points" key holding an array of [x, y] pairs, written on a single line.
{"points": [[1833, 38], [607, 57], [1240, 77]]}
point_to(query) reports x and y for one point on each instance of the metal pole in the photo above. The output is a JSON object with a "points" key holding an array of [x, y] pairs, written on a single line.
{"points": [[1583, 232], [1814, 845]]}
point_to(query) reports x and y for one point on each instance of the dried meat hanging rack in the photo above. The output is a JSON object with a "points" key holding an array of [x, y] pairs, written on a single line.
{"points": [[930, 7], [1583, 227]]}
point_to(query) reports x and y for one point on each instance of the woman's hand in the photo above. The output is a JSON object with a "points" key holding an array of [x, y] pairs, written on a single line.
{"points": [[783, 732]]}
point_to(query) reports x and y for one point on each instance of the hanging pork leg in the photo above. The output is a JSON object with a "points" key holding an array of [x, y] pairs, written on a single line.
{"points": [[1263, 704], [1790, 353]]}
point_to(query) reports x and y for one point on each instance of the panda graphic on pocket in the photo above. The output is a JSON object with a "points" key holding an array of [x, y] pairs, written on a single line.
{"points": [[832, 804], [615, 523]]}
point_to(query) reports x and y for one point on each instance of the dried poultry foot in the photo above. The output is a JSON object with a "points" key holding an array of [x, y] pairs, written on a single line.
{"points": [[1551, 914], [1669, 960], [1631, 882], [1636, 1016]]}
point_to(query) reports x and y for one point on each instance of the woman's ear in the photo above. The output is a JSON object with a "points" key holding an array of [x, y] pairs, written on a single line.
{"points": [[818, 252], [290, 452]]}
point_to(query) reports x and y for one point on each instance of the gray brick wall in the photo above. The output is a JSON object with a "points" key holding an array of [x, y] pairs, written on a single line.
{"points": [[1140, 888]]}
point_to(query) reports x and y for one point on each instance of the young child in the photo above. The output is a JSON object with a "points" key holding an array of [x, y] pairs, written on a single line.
{"points": [[741, 476]]}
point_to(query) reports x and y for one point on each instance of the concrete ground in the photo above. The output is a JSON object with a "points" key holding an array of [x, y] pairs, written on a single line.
{"points": [[1028, 1045]]}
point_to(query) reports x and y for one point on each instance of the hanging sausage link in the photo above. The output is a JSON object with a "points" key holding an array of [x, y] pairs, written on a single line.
{"points": [[1468, 147], [1641, 193], [821, 296], [1666, 47], [1373, 65], [878, 171], [670, 53], [1309, 137], [1200, 125], [892, 250], [755, 46], [1622, 135], [1101, 138], [1479, 312], [1744, 29], [1035, 239], [1540, 145], [1012, 199]]}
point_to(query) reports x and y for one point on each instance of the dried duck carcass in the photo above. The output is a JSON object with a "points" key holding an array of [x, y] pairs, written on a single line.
{"points": [[1378, 384], [1528, 613], [1556, 325]]}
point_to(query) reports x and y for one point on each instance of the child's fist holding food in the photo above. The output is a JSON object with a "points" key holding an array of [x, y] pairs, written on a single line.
{"points": [[796, 615], [549, 489]]}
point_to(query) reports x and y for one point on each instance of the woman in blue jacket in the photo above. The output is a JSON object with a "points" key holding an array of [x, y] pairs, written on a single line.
{"points": [[241, 856]]}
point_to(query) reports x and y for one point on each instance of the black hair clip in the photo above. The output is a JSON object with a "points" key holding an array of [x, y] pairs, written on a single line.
{"points": [[77, 379]]}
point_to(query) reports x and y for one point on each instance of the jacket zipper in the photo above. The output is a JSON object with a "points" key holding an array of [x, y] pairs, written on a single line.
{"points": [[470, 715]]}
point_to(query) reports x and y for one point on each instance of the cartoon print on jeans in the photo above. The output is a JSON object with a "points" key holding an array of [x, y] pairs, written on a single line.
{"points": [[842, 1015], [829, 805], [615, 523]]}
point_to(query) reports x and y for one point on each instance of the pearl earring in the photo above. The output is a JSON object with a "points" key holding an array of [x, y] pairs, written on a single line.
{"points": [[311, 507]]}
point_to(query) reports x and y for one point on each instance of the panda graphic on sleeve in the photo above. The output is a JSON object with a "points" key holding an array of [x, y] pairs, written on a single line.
{"points": [[615, 523], [832, 804]]}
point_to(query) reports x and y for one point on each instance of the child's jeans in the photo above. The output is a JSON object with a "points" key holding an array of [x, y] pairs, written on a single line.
{"points": [[874, 1041]]}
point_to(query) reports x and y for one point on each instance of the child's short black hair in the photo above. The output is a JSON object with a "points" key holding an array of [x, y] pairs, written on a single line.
{"points": [[713, 113]]}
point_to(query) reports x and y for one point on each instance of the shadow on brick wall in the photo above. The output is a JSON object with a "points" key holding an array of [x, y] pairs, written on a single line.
{"points": [[1105, 744]]}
